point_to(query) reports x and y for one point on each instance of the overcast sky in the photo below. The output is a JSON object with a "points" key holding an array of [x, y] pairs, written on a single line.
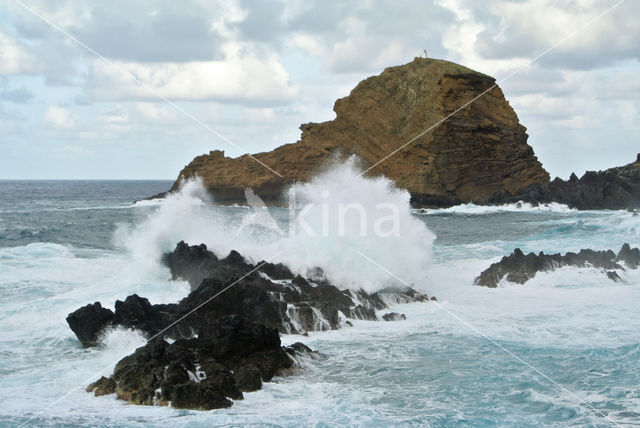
{"points": [[253, 71]]}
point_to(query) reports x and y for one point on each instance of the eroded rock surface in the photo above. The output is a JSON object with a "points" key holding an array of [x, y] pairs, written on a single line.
{"points": [[229, 357], [479, 151]]}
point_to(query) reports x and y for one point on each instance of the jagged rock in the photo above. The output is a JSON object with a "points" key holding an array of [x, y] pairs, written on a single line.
{"points": [[248, 378], [519, 268], [190, 262], [631, 257], [614, 188], [203, 373], [88, 321], [103, 386], [613, 275], [394, 316], [292, 304], [480, 150], [136, 312]]}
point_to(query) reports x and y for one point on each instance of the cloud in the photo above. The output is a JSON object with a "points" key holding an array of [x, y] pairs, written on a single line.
{"points": [[525, 29], [151, 32], [59, 118], [15, 57], [238, 80], [367, 36], [255, 70], [18, 95]]}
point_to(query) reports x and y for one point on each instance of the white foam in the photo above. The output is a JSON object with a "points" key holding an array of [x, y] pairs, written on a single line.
{"points": [[473, 209], [315, 238]]}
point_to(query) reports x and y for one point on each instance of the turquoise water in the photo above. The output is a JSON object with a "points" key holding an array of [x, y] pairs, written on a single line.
{"points": [[562, 350]]}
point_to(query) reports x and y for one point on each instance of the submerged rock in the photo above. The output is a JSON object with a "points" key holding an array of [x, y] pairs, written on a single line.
{"points": [[519, 268], [394, 316]]}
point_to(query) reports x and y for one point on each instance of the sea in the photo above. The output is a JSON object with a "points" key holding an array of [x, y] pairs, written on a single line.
{"points": [[562, 349]]}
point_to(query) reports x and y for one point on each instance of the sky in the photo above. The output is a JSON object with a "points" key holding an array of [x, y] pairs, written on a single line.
{"points": [[135, 90]]}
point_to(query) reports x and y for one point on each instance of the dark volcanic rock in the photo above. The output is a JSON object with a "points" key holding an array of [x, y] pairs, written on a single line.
{"points": [[235, 316], [88, 321], [631, 257], [272, 295], [137, 312], [519, 268], [614, 188], [204, 373], [103, 386], [248, 378], [394, 316], [288, 303]]}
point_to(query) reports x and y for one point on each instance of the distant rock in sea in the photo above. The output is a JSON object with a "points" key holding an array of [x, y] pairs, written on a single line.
{"points": [[519, 268], [476, 153], [615, 188]]}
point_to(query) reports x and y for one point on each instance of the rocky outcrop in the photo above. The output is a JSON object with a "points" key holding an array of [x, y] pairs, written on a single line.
{"points": [[88, 322], [227, 358], [264, 293], [223, 338], [273, 295], [519, 268], [614, 188], [479, 151], [394, 316]]}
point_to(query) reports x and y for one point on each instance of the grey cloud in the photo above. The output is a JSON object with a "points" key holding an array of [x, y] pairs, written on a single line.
{"points": [[139, 31], [150, 32], [264, 21], [413, 25], [608, 40], [18, 95]]}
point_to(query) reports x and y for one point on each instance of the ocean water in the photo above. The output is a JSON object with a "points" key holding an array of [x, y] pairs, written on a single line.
{"points": [[561, 350]]}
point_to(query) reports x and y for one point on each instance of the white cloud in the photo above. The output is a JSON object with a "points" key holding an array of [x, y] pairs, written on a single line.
{"points": [[59, 118], [359, 48], [259, 69], [15, 57], [241, 80]]}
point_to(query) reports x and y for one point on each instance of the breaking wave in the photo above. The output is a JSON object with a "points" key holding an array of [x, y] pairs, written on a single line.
{"points": [[359, 230], [473, 209]]}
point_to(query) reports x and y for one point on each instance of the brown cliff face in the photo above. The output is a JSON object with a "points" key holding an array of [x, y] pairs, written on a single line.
{"points": [[480, 150]]}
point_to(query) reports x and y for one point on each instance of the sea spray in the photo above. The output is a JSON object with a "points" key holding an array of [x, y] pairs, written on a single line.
{"points": [[336, 221], [350, 218]]}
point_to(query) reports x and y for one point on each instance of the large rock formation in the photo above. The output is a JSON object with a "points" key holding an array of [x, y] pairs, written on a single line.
{"points": [[480, 150]]}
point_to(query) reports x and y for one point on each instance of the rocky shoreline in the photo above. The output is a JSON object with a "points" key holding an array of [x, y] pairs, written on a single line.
{"points": [[223, 338], [615, 188], [519, 268]]}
